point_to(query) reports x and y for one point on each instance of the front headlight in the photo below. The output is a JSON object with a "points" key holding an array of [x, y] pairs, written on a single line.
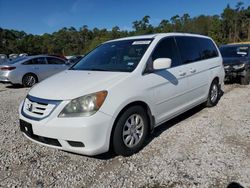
{"points": [[240, 66], [86, 105]]}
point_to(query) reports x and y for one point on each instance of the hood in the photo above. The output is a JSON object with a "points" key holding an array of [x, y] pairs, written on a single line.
{"points": [[71, 84], [235, 60]]}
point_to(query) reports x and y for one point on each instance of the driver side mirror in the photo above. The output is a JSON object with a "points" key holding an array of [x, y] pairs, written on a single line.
{"points": [[162, 63]]}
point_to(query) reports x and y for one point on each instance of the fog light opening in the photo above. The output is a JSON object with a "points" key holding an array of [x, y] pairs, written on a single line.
{"points": [[76, 144]]}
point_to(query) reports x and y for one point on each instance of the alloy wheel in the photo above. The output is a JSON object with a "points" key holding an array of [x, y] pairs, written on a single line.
{"points": [[133, 130], [214, 93]]}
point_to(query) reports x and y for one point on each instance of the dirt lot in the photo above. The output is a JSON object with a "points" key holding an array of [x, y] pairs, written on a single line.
{"points": [[205, 147]]}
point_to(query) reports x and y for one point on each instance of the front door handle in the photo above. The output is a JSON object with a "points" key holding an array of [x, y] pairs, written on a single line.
{"points": [[182, 73], [193, 70]]}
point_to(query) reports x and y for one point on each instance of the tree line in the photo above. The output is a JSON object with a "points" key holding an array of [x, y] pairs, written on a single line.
{"points": [[233, 25]]}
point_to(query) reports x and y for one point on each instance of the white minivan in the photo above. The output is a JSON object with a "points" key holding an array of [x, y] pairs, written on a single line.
{"points": [[119, 92]]}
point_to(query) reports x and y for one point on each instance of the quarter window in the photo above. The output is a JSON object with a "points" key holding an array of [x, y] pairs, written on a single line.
{"points": [[52, 60]]}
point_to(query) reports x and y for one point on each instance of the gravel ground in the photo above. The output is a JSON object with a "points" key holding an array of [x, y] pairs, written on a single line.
{"points": [[205, 147]]}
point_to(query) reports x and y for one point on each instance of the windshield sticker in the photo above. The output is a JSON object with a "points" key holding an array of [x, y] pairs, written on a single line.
{"points": [[130, 64], [141, 42]]}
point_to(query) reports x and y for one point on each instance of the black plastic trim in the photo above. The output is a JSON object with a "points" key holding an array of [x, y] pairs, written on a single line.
{"points": [[26, 128]]}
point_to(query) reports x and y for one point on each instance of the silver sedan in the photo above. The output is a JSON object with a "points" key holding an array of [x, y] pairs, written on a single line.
{"points": [[31, 69]]}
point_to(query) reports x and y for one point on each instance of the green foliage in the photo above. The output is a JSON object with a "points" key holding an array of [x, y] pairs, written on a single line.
{"points": [[233, 25]]}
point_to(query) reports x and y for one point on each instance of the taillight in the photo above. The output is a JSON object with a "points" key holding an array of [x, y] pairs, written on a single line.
{"points": [[7, 68]]}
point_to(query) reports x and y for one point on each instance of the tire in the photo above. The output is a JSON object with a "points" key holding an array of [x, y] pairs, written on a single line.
{"points": [[213, 95], [245, 79], [125, 136], [29, 80]]}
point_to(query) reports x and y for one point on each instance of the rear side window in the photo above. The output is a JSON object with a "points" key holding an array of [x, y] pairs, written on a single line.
{"points": [[194, 49], [167, 49], [54, 61], [36, 61]]}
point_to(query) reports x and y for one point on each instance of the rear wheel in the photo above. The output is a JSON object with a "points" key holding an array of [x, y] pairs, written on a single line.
{"points": [[213, 95], [130, 131], [29, 80]]}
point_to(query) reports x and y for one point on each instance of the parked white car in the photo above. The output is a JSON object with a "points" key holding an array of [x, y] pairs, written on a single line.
{"points": [[117, 94], [29, 70]]}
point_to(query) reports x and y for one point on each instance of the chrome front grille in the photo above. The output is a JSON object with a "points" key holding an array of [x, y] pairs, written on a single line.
{"points": [[37, 108]]}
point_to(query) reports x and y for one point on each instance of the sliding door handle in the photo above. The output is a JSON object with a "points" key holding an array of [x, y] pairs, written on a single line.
{"points": [[182, 73], [193, 70]]}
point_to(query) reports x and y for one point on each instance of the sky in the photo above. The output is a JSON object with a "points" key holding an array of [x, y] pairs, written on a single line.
{"points": [[47, 16]]}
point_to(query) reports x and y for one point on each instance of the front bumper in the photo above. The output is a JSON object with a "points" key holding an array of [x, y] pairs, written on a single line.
{"points": [[231, 72], [93, 133]]}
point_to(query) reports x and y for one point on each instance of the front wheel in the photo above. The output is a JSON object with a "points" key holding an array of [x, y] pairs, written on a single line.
{"points": [[213, 95], [130, 131]]}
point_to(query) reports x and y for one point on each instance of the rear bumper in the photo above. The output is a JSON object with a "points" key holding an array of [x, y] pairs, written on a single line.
{"points": [[13, 77], [9, 77], [4, 79]]}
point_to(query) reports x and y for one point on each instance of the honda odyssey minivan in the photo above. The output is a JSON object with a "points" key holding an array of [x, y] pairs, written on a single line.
{"points": [[119, 92]]}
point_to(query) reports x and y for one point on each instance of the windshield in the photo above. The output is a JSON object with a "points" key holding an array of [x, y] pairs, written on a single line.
{"points": [[234, 51], [118, 56]]}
